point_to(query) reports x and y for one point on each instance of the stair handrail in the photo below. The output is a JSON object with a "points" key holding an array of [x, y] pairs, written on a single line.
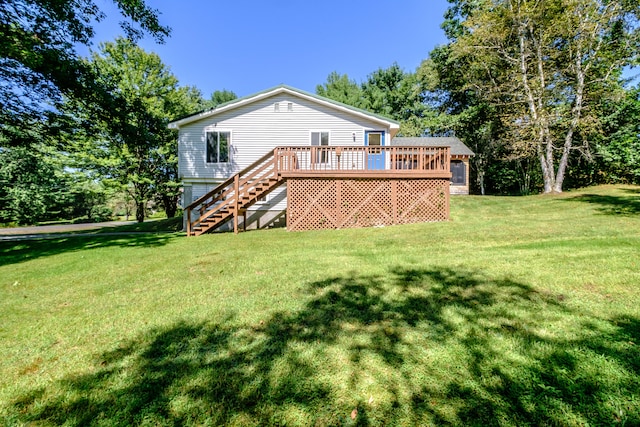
{"points": [[233, 181], [229, 181]]}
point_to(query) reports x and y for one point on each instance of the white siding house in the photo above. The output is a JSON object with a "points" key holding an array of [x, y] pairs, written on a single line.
{"points": [[216, 144]]}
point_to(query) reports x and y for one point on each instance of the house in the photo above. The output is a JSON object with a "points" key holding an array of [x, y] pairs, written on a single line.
{"points": [[460, 155], [288, 155]]}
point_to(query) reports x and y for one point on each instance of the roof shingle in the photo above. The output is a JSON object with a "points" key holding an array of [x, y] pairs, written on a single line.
{"points": [[457, 147]]}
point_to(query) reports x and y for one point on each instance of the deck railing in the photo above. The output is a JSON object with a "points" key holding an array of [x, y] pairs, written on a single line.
{"points": [[328, 160]]}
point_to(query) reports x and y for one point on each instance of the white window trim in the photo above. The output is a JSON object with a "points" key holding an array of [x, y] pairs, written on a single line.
{"points": [[266, 201], [320, 131], [230, 147], [312, 131], [384, 135]]}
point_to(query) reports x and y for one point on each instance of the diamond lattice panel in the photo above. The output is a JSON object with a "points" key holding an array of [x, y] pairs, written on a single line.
{"points": [[311, 204], [422, 200], [365, 203], [314, 204]]}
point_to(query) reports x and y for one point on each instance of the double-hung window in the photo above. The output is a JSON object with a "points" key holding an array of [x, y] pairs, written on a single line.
{"points": [[320, 139], [218, 143]]}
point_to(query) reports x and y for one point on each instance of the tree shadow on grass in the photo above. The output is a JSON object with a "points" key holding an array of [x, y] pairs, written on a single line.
{"points": [[15, 251], [412, 347], [613, 205]]}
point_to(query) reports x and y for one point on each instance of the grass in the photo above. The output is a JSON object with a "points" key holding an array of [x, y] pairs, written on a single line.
{"points": [[519, 311]]}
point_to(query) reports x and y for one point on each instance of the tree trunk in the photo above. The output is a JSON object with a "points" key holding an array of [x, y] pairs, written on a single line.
{"points": [[479, 164], [544, 144], [562, 166], [576, 112], [170, 205], [547, 176], [140, 211]]}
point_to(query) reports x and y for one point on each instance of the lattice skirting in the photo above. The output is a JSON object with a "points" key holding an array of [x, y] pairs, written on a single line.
{"points": [[316, 203]]}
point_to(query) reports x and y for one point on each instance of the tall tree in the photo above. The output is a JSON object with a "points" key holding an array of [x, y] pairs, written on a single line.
{"points": [[39, 65], [167, 185], [619, 149], [341, 88], [462, 112], [28, 185], [391, 92], [544, 64], [133, 146], [399, 95]]}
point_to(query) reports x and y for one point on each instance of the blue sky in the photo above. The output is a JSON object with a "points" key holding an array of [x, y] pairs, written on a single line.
{"points": [[248, 45]]}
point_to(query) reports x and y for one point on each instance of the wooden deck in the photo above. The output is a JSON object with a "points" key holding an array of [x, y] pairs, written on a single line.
{"points": [[309, 167], [354, 162]]}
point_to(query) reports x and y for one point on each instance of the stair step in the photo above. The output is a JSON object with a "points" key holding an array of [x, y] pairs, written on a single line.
{"points": [[236, 203]]}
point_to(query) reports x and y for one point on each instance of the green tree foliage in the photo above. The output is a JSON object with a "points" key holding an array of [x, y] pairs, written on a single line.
{"points": [[543, 66], [34, 186], [220, 97], [619, 149], [391, 92], [132, 146], [39, 66], [341, 88], [461, 111], [27, 185]]}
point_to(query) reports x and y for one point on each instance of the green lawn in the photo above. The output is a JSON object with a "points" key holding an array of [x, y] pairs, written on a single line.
{"points": [[518, 311]]}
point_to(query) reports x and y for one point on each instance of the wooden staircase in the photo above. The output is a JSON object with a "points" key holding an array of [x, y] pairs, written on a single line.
{"points": [[231, 199]]}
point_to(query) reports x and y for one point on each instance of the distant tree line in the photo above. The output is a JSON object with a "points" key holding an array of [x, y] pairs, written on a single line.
{"points": [[535, 89], [81, 137]]}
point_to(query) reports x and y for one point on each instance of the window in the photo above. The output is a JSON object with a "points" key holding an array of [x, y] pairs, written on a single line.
{"points": [[375, 139], [458, 172], [276, 106], [290, 106], [319, 139], [218, 146]]}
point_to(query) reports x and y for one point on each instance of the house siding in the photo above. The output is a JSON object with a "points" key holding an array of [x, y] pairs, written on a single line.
{"points": [[257, 128]]}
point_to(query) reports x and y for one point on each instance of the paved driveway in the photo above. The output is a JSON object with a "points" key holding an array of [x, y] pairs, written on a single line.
{"points": [[20, 233]]}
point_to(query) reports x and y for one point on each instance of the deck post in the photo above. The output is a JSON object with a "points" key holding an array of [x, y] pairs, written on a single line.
{"points": [[276, 161], [236, 189], [447, 163], [394, 202], [188, 220], [393, 159]]}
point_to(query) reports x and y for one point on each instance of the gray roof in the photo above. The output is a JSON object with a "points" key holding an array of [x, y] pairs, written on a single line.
{"points": [[457, 147]]}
